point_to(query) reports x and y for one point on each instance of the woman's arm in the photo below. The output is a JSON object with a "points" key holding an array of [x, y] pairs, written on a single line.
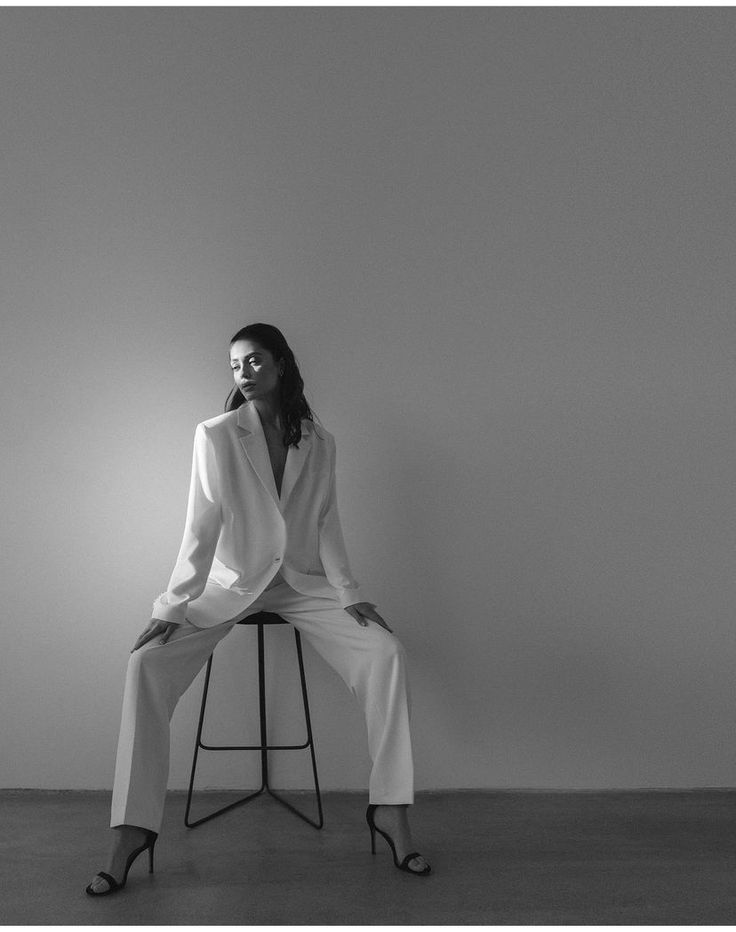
{"points": [[335, 560], [332, 551], [201, 533]]}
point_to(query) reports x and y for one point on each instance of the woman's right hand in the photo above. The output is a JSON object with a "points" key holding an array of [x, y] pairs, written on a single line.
{"points": [[155, 628]]}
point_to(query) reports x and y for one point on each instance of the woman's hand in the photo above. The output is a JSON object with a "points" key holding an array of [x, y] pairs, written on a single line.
{"points": [[363, 612], [154, 629]]}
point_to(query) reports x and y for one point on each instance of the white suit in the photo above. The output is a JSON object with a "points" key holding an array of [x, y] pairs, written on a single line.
{"points": [[239, 532], [247, 549]]}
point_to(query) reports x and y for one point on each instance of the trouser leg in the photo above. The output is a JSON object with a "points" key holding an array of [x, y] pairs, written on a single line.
{"points": [[371, 661], [157, 676]]}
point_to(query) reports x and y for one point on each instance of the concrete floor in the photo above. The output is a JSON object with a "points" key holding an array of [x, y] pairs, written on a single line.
{"points": [[519, 858]]}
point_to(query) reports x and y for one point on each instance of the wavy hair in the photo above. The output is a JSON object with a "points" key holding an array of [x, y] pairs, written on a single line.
{"points": [[294, 406]]}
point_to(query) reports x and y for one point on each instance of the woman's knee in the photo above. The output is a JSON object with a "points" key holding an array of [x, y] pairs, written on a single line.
{"points": [[387, 646], [142, 660], [135, 666]]}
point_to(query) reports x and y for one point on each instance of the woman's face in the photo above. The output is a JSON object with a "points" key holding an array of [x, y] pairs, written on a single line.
{"points": [[255, 371]]}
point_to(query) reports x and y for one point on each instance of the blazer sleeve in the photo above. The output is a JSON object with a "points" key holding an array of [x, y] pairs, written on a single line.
{"points": [[201, 533], [332, 551]]}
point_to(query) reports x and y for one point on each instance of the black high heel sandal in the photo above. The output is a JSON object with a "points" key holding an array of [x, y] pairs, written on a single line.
{"points": [[149, 845], [404, 864]]}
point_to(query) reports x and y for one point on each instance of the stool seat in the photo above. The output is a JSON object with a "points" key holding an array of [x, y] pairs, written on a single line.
{"points": [[259, 620], [263, 618]]}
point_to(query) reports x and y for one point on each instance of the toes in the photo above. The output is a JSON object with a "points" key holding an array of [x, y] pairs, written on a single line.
{"points": [[100, 885]]}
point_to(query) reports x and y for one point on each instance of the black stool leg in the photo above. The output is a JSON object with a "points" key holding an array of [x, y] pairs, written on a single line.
{"points": [[319, 822], [263, 747], [262, 709], [200, 744]]}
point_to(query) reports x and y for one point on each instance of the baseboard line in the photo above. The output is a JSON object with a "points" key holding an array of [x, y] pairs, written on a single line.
{"points": [[444, 791]]}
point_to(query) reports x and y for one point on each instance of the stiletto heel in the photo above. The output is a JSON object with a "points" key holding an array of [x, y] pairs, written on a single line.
{"points": [[404, 864], [372, 827], [113, 885]]}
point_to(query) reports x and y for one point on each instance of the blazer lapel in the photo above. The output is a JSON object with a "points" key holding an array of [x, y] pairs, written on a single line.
{"points": [[253, 442], [296, 457]]}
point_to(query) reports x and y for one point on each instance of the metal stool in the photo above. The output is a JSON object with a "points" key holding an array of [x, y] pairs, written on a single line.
{"points": [[261, 619]]}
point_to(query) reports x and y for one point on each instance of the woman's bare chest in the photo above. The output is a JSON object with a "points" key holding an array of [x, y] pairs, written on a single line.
{"points": [[277, 452]]}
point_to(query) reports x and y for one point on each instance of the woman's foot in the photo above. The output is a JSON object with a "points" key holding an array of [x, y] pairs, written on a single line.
{"points": [[125, 839], [394, 821]]}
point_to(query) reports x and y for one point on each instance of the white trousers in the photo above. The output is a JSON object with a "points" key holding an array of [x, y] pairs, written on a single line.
{"points": [[369, 659]]}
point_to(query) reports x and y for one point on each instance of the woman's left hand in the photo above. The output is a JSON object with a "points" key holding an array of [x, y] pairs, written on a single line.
{"points": [[363, 612]]}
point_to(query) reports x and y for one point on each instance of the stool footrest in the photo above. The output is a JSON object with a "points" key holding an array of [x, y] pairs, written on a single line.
{"points": [[255, 747]]}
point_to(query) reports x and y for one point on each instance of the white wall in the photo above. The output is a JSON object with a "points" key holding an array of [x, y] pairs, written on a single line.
{"points": [[501, 242]]}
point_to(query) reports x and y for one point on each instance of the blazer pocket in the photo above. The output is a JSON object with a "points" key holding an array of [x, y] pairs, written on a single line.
{"points": [[222, 574]]}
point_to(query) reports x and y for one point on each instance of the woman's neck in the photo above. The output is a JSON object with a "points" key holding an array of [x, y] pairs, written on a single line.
{"points": [[269, 411]]}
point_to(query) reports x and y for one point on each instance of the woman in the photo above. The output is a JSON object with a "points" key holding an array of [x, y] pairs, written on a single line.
{"points": [[262, 533]]}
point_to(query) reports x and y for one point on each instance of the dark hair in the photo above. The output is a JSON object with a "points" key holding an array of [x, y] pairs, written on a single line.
{"points": [[294, 405]]}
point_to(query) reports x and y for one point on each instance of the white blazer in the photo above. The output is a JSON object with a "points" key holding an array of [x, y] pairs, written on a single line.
{"points": [[239, 532]]}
